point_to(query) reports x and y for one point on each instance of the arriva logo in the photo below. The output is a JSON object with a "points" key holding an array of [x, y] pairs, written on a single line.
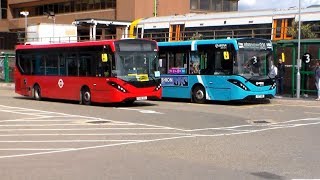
{"points": [[260, 83]]}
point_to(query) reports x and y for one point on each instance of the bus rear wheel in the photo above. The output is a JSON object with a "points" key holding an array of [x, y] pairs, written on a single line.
{"points": [[85, 96], [37, 92], [199, 95]]}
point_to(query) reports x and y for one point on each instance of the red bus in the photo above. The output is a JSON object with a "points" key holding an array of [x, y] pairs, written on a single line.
{"points": [[108, 71]]}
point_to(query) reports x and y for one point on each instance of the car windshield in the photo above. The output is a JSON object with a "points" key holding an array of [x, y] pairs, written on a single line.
{"points": [[250, 63], [136, 66]]}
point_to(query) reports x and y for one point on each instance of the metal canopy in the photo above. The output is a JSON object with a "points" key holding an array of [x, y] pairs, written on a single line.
{"points": [[93, 23]]}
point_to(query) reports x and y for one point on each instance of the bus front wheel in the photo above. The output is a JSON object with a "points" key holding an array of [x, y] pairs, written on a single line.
{"points": [[199, 95], [37, 92], [85, 96]]}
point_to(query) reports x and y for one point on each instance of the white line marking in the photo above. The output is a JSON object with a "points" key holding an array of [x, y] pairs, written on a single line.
{"points": [[141, 110], [31, 149], [71, 141], [104, 134], [92, 147], [75, 124], [84, 129]]}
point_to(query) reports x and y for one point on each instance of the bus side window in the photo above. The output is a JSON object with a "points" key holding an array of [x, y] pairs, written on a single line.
{"points": [[163, 63]]}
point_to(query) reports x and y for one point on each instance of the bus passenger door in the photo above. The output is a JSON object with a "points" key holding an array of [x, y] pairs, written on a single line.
{"points": [[175, 32]]}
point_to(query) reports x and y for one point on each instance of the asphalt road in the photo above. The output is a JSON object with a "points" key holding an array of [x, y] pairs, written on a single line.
{"points": [[158, 140]]}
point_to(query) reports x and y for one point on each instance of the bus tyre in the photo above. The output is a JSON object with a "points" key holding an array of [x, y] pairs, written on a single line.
{"points": [[37, 92], [199, 95], [85, 96]]}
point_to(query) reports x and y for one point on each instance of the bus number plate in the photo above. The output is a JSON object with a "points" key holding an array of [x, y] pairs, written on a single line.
{"points": [[142, 98], [259, 96]]}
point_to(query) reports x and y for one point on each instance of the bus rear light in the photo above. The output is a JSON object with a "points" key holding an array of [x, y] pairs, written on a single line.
{"points": [[239, 84], [117, 86], [158, 87]]}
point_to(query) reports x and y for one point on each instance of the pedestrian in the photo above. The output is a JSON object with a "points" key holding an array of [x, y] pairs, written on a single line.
{"points": [[280, 76], [273, 70], [317, 79]]}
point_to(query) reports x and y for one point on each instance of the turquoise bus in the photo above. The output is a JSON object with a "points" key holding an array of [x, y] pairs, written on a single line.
{"points": [[218, 69]]}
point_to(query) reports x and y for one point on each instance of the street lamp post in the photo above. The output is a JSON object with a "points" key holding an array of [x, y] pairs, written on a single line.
{"points": [[25, 14], [52, 16], [299, 54]]}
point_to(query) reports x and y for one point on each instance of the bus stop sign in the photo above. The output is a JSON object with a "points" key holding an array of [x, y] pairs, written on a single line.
{"points": [[306, 58]]}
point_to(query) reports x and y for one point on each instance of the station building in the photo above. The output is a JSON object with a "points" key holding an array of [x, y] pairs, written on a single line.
{"points": [[67, 11]]}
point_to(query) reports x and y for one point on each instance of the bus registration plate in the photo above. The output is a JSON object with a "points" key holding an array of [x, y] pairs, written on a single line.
{"points": [[260, 96], [142, 98]]}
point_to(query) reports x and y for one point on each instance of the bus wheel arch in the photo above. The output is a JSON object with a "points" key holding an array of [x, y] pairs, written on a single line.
{"points": [[36, 92], [85, 95], [198, 94]]}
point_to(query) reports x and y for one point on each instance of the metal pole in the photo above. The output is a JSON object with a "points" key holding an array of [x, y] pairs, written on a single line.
{"points": [[26, 26], [54, 24], [299, 59], [155, 8]]}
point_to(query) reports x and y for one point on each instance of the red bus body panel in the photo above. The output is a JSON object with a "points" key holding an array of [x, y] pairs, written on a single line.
{"points": [[101, 92]]}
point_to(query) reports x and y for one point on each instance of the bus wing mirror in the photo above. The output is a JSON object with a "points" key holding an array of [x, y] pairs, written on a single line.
{"points": [[226, 55], [104, 57]]}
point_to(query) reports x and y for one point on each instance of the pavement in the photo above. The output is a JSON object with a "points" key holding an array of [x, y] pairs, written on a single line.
{"points": [[8, 85], [284, 97]]}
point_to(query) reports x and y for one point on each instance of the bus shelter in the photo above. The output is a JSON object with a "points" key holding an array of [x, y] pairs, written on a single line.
{"points": [[288, 51]]}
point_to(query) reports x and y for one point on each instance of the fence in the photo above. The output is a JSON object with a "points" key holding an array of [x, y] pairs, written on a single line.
{"points": [[7, 63]]}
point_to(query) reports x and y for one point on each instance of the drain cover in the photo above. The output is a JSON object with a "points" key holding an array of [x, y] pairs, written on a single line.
{"points": [[98, 122], [260, 122]]}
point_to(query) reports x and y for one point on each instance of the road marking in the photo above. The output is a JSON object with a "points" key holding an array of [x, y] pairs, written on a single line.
{"points": [[32, 149], [93, 147], [85, 129], [70, 141], [141, 110], [184, 133], [102, 134]]}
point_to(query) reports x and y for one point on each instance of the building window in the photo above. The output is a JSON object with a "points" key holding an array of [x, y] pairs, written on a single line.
{"points": [[214, 5], [64, 7], [3, 9], [194, 4]]}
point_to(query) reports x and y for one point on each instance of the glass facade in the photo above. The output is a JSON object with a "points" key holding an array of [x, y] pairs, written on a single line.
{"points": [[66, 7], [214, 5], [3, 9]]}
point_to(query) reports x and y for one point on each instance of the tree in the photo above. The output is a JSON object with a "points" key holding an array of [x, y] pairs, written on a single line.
{"points": [[306, 31], [196, 36]]}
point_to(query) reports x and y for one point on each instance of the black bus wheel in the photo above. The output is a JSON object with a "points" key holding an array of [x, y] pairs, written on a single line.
{"points": [[199, 95], [37, 92], [85, 96]]}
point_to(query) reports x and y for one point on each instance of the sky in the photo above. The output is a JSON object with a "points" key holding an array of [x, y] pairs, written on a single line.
{"points": [[274, 4]]}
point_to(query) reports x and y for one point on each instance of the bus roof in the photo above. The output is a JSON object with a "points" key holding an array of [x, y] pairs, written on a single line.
{"points": [[64, 45], [195, 43], [75, 44]]}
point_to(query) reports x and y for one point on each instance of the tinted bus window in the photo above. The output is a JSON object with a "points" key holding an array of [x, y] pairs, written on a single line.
{"points": [[72, 63], [52, 64], [25, 64]]}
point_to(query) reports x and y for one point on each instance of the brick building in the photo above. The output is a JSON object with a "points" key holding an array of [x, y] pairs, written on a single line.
{"points": [[67, 11]]}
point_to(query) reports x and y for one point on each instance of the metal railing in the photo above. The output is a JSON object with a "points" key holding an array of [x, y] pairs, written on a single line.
{"points": [[267, 33]]}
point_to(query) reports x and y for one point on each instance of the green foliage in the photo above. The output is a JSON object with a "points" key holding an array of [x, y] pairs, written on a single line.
{"points": [[306, 31], [196, 36]]}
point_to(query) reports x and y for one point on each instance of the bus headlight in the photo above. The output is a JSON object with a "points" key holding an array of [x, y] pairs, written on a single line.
{"points": [[239, 84], [158, 87], [117, 86], [274, 85]]}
